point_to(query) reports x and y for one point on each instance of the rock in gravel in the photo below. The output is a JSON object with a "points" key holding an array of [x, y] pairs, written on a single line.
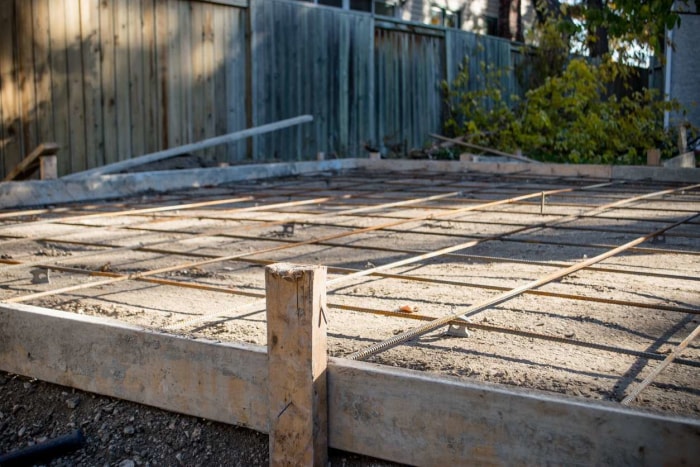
{"points": [[129, 430], [73, 402], [127, 463]]}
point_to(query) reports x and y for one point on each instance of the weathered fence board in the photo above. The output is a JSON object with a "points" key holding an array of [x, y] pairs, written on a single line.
{"points": [[310, 60], [110, 80], [409, 69], [114, 79]]}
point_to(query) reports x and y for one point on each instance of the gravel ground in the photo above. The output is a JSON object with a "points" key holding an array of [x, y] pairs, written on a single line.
{"points": [[124, 434]]}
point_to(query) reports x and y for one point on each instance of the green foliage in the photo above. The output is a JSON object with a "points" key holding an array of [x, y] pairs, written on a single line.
{"points": [[569, 117], [630, 21]]}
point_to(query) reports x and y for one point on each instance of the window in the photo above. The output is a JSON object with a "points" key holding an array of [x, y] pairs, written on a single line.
{"points": [[491, 25], [385, 8], [378, 7], [361, 5], [440, 16]]}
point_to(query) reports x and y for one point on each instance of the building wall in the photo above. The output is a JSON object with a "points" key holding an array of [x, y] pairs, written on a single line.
{"points": [[473, 12], [685, 69]]}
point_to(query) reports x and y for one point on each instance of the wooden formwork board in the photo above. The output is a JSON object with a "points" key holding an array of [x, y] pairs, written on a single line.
{"points": [[396, 414], [606, 172], [36, 193]]}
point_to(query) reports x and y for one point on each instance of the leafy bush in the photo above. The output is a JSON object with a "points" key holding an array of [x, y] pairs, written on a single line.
{"points": [[568, 117]]}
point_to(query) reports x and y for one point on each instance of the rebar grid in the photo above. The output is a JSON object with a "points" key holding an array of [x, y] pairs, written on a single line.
{"points": [[444, 199]]}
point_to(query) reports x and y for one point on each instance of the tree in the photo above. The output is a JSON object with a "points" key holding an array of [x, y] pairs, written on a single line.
{"points": [[569, 112], [617, 25], [510, 20]]}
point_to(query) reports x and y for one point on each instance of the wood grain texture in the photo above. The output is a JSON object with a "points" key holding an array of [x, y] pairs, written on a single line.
{"points": [[108, 75], [136, 48], [60, 98], [25, 58], [31, 162], [419, 419], [222, 382], [75, 78], [392, 413], [114, 79], [122, 82], [297, 361], [48, 167], [11, 144], [92, 82]]}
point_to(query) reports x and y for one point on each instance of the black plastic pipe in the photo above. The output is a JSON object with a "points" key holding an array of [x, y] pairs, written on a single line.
{"points": [[43, 452]]}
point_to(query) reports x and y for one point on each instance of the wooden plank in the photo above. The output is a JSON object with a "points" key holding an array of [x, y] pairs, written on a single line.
{"points": [[237, 92], [163, 35], [9, 91], [48, 167], [31, 162], [344, 86], [208, 101], [222, 31], [76, 83], [396, 414], [25, 62], [237, 3], [559, 170], [92, 80], [196, 67], [122, 83], [42, 71], [420, 419], [173, 75], [136, 50], [297, 361], [207, 143], [223, 382], [108, 73], [661, 174], [35, 193], [459, 142], [185, 10], [60, 98], [151, 83]]}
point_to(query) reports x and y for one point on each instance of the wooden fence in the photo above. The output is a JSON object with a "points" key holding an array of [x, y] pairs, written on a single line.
{"points": [[113, 79]]}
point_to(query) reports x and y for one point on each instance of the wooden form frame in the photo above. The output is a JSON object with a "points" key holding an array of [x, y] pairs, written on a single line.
{"points": [[392, 413], [42, 158], [36, 193]]}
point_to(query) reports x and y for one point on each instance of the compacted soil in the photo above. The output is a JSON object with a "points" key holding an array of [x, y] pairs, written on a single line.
{"points": [[641, 300]]}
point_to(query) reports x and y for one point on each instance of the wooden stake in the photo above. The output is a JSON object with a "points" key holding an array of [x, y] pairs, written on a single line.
{"points": [[297, 360], [29, 164], [653, 157], [48, 167]]}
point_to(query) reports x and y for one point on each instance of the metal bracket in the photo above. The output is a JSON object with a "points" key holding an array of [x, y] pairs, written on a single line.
{"points": [[457, 330], [40, 276], [288, 229]]}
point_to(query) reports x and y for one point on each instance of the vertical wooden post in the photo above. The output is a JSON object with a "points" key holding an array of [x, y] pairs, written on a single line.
{"points": [[653, 157], [297, 359], [48, 168]]}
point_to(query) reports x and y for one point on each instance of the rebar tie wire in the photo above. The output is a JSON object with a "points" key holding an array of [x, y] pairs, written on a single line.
{"points": [[479, 307]]}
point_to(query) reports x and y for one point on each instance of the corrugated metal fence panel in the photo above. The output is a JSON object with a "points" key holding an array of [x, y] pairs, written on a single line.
{"points": [[310, 60], [409, 68]]}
